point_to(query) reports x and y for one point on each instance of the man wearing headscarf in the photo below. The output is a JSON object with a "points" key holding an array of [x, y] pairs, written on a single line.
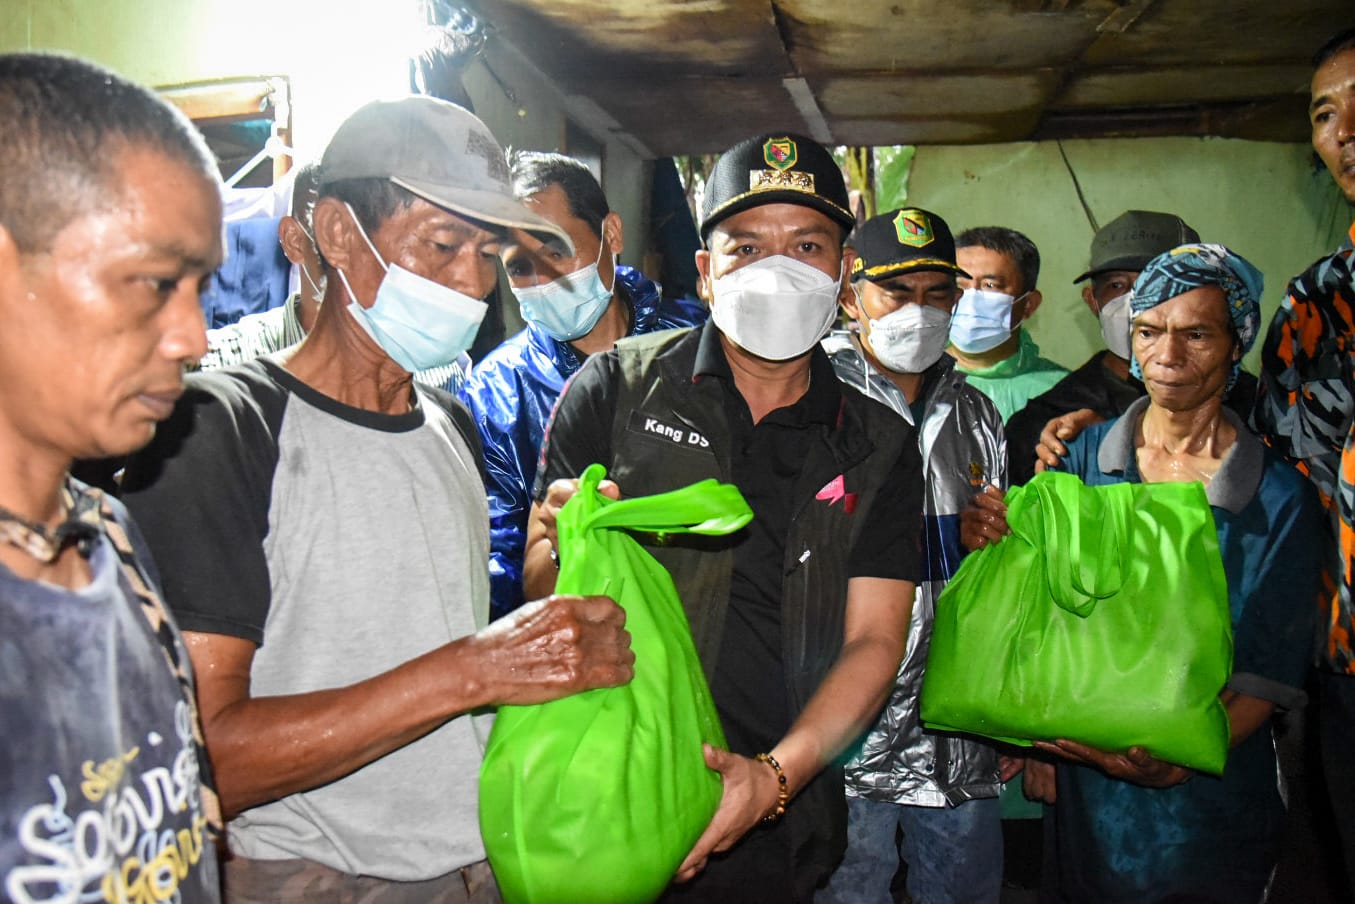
{"points": [[1127, 826]]}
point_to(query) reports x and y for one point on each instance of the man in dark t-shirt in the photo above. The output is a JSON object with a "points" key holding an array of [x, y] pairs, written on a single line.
{"points": [[800, 618], [110, 218]]}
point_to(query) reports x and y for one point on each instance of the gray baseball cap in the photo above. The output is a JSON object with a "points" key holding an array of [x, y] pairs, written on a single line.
{"points": [[1135, 237], [439, 151]]}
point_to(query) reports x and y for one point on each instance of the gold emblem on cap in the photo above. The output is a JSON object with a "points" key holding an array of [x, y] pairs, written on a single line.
{"points": [[913, 228], [771, 180], [780, 153]]}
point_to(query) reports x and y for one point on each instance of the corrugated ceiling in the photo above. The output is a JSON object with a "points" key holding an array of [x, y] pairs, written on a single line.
{"points": [[695, 76]]}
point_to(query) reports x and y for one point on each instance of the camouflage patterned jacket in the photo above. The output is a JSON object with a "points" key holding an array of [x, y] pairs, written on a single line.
{"points": [[1305, 409]]}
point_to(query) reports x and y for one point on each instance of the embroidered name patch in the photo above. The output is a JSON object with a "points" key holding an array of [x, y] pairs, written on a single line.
{"points": [[677, 435]]}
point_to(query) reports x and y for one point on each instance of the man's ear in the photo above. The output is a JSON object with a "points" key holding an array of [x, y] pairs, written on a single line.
{"points": [[1089, 298], [1030, 302], [845, 293], [335, 232], [295, 243], [703, 287], [11, 271], [612, 235], [850, 302]]}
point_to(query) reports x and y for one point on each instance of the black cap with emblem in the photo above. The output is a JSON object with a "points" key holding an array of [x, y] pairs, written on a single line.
{"points": [[909, 238], [775, 169]]}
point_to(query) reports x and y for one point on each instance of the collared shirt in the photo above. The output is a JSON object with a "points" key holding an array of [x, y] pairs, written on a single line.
{"points": [[1093, 385], [753, 690], [254, 336], [1013, 381], [766, 459], [1305, 410], [1117, 841]]}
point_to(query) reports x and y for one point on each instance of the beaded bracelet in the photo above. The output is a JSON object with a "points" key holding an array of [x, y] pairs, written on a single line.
{"points": [[782, 795]]}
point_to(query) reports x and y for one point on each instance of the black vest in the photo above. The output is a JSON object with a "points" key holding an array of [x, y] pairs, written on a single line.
{"points": [[655, 381]]}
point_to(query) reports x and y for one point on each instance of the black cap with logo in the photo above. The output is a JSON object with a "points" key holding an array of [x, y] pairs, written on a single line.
{"points": [[775, 169], [901, 241]]}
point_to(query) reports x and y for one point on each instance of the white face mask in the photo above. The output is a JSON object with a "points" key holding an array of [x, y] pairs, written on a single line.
{"points": [[777, 307], [909, 340], [1114, 317], [982, 321]]}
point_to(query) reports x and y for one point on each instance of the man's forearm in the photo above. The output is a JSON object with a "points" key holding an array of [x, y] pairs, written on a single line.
{"points": [[1245, 715], [845, 705], [266, 748]]}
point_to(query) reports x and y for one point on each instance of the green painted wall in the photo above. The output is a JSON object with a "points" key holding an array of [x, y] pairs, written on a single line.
{"points": [[1263, 200]]}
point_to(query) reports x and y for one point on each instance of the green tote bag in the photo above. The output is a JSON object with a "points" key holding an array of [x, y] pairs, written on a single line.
{"points": [[597, 797], [1103, 619]]}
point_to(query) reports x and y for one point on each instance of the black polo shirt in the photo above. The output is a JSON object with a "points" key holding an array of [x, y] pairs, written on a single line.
{"points": [[749, 686]]}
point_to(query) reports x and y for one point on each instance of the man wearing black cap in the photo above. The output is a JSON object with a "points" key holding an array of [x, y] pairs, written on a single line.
{"points": [[941, 790], [320, 522], [800, 619]]}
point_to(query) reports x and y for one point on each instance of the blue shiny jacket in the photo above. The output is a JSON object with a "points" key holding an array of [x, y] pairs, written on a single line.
{"points": [[511, 394]]}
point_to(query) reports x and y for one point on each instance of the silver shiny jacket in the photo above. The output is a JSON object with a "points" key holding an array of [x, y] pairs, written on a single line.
{"points": [[963, 449]]}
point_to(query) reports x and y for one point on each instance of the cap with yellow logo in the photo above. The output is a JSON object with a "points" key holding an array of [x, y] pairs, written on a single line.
{"points": [[903, 240], [775, 169]]}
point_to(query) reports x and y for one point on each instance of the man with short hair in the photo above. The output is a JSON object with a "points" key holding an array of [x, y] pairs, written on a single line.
{"points": [[1104, 388], [940, 790], [799, 619], [987, 340], [255, 335], [320, 521], [110, 221], [575, 305], [1304, 410]]}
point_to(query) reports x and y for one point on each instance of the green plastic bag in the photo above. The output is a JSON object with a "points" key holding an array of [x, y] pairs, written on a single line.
{"points": [[597, 797], [1103, 619]]}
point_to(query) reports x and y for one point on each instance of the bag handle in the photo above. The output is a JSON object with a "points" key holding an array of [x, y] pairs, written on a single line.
{"points": [[1083, 549], [706, 507]]}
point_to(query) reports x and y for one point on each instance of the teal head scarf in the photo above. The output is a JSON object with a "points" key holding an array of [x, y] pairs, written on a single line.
{"points": [[1176, 272]]}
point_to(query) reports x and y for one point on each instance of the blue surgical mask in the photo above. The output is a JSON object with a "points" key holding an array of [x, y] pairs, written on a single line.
{"points": [[568, 307], [982, 321], [419, 323]]}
